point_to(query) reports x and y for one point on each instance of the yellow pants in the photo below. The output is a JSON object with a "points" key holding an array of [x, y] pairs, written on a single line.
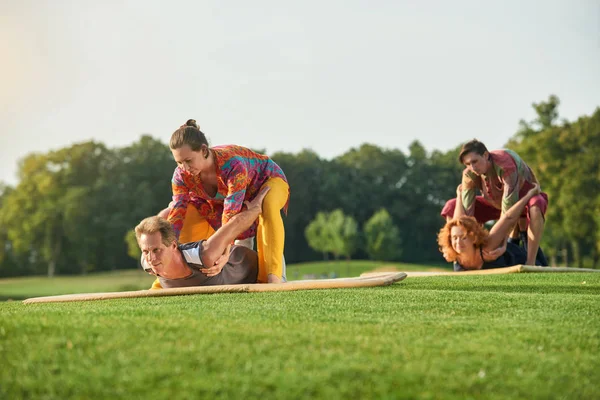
{"points": [[195, 227], [270, 235]]}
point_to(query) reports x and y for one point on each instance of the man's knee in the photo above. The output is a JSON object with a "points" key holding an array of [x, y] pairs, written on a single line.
{"points": [[448, 209], [536, 215]]}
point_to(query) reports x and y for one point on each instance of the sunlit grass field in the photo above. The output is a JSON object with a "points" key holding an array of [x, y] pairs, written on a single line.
{"points": [[496, 337]]}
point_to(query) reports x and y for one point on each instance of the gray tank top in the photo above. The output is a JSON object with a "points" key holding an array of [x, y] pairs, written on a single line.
{"points": [[242, 267]]}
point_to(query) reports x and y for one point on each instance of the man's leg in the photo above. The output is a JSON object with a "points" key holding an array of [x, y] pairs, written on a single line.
{"points": [[448, 210], [534, 233], [483, 213], [249, 243], [536, 211]]}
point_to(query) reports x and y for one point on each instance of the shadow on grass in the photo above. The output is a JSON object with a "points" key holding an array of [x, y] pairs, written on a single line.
{"points": [[517, 288], [13, 298]]}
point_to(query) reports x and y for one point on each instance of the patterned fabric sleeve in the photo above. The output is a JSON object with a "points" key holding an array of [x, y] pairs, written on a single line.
{"points": [[237, 183], [511, 189], [469, 186], [181, 197]]}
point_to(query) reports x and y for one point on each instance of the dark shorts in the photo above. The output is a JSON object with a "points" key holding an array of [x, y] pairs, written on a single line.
{"points": [[485, 212]]}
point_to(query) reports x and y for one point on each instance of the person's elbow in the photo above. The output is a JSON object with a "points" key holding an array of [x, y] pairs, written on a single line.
{"points": [[210, 254]]}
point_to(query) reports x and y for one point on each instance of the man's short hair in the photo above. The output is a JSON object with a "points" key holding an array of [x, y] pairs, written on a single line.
{"points": [[473, 146], [151, 225]]}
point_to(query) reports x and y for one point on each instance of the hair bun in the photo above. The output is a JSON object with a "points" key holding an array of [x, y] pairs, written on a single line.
{"points": [[192, 123]]}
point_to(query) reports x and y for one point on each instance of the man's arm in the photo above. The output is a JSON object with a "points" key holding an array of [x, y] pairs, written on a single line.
{"points": [[470, 183], [510, 195], [216, 245]]}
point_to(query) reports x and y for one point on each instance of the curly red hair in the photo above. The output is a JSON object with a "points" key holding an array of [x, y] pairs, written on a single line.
{"points": [[474, 229]]}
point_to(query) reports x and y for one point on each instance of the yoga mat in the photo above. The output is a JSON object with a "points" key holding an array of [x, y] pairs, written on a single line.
{"points": [[507, 270], [338, 283]]}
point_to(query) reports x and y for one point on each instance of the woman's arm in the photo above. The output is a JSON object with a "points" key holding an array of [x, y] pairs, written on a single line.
{"points": [[459, 210], [237, 183], [181, 198], [503, 227], [218, 244]]}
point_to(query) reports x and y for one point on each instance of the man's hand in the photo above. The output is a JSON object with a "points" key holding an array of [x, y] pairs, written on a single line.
{"points": [[219, 264], [535, 190], [256, 203], [459, 190], [271, 278]]}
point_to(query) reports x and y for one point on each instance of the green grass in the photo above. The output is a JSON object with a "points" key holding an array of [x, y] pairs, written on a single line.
{"points": [[496, 337], [120, 281]]}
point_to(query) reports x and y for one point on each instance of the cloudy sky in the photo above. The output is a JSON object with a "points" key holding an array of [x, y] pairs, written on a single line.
{"points": [[283, 75]]}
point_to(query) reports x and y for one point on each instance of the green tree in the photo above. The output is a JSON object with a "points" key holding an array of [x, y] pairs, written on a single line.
{"points": [[334, 233], [565, 159], [318, 235], [382, 237], [133, 249], [344, 234], [45, 213]]}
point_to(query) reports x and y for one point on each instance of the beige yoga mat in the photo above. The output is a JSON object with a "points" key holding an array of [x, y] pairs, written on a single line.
{"points": [[494, 271], [338, 283]]}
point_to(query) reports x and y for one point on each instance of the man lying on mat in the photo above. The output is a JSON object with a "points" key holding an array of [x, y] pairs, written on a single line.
{"points": [[467, 244], [199, 263]]}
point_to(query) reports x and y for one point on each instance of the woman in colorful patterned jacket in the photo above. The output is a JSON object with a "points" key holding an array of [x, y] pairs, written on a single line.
{"points": [[217, 180]]}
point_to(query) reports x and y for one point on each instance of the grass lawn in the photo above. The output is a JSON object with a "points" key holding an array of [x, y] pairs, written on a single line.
{"points": [[496, 337], [120, 281]]}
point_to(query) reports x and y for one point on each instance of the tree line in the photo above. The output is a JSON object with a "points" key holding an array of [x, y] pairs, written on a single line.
{"points": [[73, 208]]}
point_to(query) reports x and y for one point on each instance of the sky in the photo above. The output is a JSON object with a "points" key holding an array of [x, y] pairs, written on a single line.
{"points": [[325, 75]]}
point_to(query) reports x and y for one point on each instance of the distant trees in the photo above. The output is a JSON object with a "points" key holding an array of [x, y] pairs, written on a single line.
{"points": [[565, 156], [72, 207], [333, 233], [338, 234]]}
